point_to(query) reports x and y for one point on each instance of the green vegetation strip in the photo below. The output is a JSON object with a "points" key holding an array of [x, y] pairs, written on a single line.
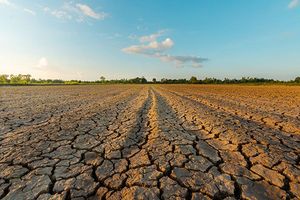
{"points": [[27, 79]]}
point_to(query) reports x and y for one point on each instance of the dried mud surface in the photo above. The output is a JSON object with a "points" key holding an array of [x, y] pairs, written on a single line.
{"points": [[150, 142]]}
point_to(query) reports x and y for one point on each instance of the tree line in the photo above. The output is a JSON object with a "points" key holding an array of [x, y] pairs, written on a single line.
{"points": [[26, 79]]}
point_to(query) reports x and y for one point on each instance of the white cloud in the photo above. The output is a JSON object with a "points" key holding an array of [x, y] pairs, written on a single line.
{"points": [[132, 37], [17, 7], [29, 11], [5, 2], [293, 4], [154, 48], [61, 14], [180, 61], [42, 63], [78, 12], [152, 37], [46, 9], [168, 43], [64, 13], [86, 10]]}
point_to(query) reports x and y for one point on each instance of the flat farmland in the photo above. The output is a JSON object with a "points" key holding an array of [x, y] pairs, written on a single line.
{"points": [[150, 142]]}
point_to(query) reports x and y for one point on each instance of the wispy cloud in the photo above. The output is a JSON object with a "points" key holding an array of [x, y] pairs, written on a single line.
{"points": [[293, 4], [65, 12], [78, 12], [17, 7], [152, 37], [194, 61], [151, 47], [42, 63], [5, 2], [61, 14], [86, 10], [29, 11]]}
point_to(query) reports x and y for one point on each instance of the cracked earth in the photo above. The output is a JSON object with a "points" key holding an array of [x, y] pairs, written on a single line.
{"points": [[150, 142]]}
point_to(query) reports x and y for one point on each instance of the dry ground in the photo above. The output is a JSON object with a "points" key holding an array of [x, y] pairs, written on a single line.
{"points": [[150, 142]]}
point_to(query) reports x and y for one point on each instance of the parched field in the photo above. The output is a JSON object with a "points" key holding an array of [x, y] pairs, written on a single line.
{"points": [[150, 142]]}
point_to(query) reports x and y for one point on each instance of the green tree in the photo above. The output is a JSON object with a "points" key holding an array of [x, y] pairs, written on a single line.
{"points": [[297, 79], [143, 80], [15, 79], [25, 78], [102, 79], [4, 79], [20, 79], [193, 80]]}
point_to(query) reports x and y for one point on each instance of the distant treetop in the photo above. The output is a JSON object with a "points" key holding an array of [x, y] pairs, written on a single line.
{"points": [[26, 79]]}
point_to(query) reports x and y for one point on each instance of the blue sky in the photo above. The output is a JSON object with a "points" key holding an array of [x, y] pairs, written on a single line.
{"points": [[152, 38]]}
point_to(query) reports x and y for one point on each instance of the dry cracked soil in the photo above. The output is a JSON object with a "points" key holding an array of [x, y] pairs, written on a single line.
{"points": [[150, 142]]}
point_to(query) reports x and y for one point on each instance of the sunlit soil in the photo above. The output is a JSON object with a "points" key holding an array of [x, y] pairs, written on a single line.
{"points": [[150, 142]]}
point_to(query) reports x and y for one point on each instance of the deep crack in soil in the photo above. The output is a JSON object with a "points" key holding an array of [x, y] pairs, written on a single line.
{"points": [[150, 142]]}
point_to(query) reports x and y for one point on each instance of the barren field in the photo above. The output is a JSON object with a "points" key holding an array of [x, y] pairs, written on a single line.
{"points": [[150, 142]]}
